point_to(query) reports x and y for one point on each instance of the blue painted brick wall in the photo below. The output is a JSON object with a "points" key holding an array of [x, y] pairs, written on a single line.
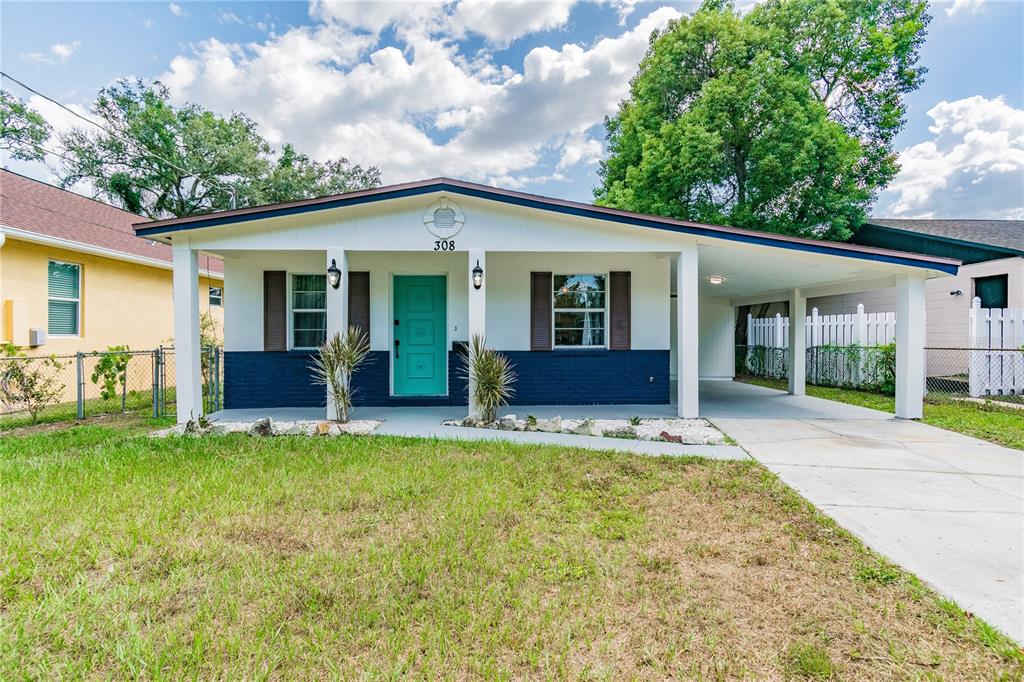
{"points": [[638, 377], [271, 379]]}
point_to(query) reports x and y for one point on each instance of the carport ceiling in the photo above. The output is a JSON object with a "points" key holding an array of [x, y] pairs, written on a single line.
{"points": [[751, 271]]}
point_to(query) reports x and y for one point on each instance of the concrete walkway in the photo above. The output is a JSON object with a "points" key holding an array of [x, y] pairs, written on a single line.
{"points": [[947, 507]]}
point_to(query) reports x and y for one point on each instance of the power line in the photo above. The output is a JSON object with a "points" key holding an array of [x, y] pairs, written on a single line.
{"points": [[110, 132]]}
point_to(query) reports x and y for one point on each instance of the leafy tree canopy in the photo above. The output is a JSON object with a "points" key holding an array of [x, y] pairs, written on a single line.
{"points": [[23, 130], [160, 160], [782, 119]]}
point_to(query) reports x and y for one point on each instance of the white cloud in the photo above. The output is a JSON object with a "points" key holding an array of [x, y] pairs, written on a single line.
{"points": [[422, 108], [958, 6], [228, 17], [58, 53], [176, 9], [972, 167], [504, 21], [148, 23], [580, 148], [64, 50]]}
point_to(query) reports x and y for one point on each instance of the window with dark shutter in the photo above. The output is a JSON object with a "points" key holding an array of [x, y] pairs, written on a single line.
{"points": [[540, 311], [275, 310], [620, 298], [359, 300]]}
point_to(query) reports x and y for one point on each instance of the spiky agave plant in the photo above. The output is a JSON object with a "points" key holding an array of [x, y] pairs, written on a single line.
{"points": [[490, 377], [334, 364]]}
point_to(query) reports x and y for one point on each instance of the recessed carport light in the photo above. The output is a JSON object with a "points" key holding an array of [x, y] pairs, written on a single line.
{"points": [[716, 280]]}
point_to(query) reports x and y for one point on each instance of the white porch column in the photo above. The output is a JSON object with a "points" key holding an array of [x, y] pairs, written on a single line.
{"points": [[337, 306], [477, 309], [687, 335], [797, 342], [910, 333], [187, 370]]}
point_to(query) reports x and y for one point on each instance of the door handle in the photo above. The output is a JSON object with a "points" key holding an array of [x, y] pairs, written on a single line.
{"points": [[396, 348]]}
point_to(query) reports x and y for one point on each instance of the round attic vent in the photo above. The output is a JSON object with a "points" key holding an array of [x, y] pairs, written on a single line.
{"points": [[444, 218]]}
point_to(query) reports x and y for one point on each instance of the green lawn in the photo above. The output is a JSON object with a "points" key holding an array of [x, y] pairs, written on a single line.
{"points": [[242, 558], [1003, 425]]}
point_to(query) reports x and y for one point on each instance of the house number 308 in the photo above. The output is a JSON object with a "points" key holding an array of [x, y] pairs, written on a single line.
{"points": [[444, 245]]}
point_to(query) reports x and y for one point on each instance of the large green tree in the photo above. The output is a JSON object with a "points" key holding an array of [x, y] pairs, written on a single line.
{"points": [[781, 119], [23, 130], [159, 160]]}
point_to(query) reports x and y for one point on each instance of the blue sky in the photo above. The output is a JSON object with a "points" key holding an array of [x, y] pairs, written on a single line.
{"points": [[512, 94]]}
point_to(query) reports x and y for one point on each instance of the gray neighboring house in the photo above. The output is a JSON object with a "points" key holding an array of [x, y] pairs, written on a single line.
{"points": [[992, 252]]}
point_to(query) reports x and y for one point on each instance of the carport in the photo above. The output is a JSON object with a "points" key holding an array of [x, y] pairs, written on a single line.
{"points": [[749, 271]]}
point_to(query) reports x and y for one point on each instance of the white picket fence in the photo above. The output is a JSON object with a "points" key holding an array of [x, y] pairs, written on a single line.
{"points": [[997, 355], [993, 360], [860, 329]]}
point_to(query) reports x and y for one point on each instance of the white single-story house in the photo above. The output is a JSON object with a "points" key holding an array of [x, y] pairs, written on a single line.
{"points": [[592, 305]]}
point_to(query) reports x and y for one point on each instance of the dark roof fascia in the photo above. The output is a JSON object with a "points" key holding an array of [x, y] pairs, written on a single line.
{"points": [[171, 226], [947, 240]]}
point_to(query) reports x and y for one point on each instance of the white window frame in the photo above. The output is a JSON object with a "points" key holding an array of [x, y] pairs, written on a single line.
{"points": [[604, 310], [76, 301], [220, 297], [292, 310]]}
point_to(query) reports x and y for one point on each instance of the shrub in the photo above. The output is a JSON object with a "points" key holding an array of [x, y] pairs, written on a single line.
{"points": [[490, 379], [29, 383], [112, 370], [334, 364]]}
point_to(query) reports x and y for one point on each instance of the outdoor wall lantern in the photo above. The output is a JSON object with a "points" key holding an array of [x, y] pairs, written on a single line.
{"points": [[478, 276], [334, 275]]}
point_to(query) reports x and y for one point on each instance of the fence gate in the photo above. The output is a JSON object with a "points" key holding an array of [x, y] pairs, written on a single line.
{"points": [[997, 351]]}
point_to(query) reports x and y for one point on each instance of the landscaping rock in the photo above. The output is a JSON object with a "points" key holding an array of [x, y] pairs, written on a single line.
{"points": [[587, 427], [291, 428], [262, 427], [360, 427], [553, 425], [507, 423], [626, 431], [323, 428], [670, 437], [192, 428], [222, 428]]}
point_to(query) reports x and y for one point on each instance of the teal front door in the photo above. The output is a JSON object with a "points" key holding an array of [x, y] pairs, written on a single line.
{"points": [[418, 352]]}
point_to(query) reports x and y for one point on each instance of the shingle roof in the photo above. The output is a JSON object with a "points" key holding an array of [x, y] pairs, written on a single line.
{"points": [[1007, 234], [43, 209]]}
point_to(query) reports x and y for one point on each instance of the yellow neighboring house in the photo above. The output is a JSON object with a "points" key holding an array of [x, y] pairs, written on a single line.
{"points": [[74, 277]]}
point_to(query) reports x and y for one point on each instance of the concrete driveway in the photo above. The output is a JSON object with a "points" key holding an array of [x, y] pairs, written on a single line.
{"points": [[947, 507]]}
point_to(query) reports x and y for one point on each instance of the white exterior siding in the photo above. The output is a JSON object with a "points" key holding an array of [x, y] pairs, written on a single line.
{"points": [[508, 291]]}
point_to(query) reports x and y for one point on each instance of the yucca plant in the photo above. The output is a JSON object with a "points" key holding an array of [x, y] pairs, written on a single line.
{"points": [[490, 379], [334, 364]]}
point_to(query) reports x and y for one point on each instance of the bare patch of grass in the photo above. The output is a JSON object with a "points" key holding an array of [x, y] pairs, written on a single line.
{"points": [[234, 557]]}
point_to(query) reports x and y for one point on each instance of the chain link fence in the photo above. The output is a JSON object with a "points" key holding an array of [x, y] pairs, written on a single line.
{"points": [[58, 388], [951, 373]]}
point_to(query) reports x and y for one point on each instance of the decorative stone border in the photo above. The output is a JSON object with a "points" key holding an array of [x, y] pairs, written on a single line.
{"points": [[685, 431], [268, 427]]}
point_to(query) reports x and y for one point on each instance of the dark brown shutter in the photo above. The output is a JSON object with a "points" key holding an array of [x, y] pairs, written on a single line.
{"points": [[619, 311], [275, 310], [540, 310], [359, 300]]}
